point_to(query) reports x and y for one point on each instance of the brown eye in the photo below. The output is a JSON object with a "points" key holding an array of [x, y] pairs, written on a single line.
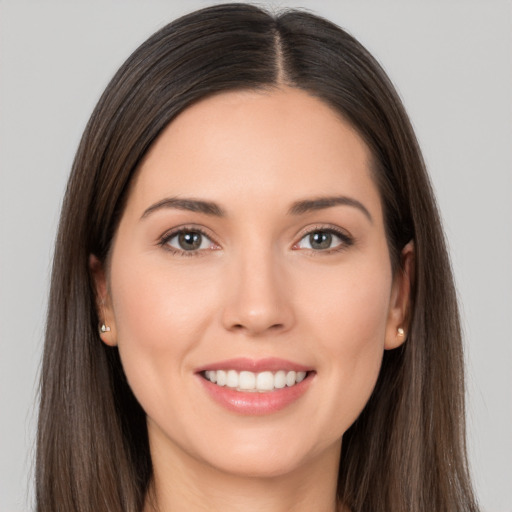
{"points": [[324, 240], [320, 240], [189, 241]]}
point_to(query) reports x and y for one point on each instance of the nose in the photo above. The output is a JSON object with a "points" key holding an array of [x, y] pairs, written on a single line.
{"points": [[259, 298]]}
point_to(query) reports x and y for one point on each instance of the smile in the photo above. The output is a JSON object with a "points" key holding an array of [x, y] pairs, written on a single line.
{"points": [[261, 382], [256, 387]]}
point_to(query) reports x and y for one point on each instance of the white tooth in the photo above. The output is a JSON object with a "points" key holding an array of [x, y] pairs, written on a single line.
{"points": [[221, 378], [232, 379], [247, 380], [290, 378], [280, 380], [265, 381], [300, 376], [211, 375]]}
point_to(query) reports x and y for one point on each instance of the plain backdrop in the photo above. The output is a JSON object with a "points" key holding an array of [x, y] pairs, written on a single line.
{"points": [[452, 64]]}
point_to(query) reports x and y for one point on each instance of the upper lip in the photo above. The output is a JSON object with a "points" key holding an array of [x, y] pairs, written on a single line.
{"points": [[255, 365]]}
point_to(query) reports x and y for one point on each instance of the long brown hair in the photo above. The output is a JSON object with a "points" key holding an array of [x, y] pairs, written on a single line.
{"points": [[406, 451]]}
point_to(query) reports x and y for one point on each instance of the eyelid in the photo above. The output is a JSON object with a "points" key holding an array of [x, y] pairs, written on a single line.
{"points": [[346, 238], [163, 240]]}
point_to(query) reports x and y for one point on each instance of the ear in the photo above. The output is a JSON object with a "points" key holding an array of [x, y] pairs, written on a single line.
{"points": [[103, 302], [400, 301]]}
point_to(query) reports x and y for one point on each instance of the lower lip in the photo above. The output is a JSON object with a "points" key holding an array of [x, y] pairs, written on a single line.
{"points": [[256, 403]]}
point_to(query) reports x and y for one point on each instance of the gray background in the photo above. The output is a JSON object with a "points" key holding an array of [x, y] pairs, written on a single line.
{"points": [[451, 61]]}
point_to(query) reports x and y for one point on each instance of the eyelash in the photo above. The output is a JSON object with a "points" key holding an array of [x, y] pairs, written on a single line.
{"points": [[164, 241], [346, 240]]}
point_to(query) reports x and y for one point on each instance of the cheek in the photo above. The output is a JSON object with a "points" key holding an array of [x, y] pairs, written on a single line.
{"points": [[155, 307], [160, 317], [351, 305], [350, 318]]}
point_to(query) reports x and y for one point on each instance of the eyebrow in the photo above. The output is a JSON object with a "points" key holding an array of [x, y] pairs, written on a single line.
{"points": [[297, 208], [320, 203], [191, 205]]}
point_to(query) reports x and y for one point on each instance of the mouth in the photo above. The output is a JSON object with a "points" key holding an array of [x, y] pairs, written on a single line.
{"points": [[252, 382], [256, 387]]}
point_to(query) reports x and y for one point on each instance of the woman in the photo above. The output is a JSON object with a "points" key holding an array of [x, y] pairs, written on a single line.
{"points": [[244, 311]]}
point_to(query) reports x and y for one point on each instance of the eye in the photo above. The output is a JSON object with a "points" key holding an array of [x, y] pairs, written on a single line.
{"points": [[188, 241], [324, 240]]}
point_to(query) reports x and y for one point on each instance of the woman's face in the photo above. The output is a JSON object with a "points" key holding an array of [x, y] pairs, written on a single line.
{"points": [[252, 249]]}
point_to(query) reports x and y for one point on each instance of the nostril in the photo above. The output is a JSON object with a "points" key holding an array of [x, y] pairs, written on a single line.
{"points": [[271, 328], [253, 316]]}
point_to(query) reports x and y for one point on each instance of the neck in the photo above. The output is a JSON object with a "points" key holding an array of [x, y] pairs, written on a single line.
{"points": [[184, 484]]}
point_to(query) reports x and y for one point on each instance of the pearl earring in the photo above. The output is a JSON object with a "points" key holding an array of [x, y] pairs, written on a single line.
{"points": [[104, 327], [400, 331]]}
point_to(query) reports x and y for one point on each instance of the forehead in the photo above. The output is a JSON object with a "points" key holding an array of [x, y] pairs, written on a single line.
{"points": [[257, 145]]}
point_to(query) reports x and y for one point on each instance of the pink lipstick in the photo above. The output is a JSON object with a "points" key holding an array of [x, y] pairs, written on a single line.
{"points": [[255, 387]]}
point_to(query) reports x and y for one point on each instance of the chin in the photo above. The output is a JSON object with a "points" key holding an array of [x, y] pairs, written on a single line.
{"points": [[260, 466], [269, 458]]}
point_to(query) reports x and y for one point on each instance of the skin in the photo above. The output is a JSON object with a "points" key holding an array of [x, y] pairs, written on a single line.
{"points": [[256, 288]]}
